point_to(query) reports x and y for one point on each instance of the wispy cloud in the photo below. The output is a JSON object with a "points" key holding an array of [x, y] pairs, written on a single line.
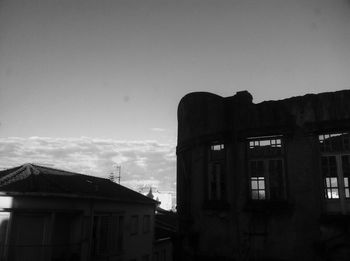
{"points": [[142, 162], [158, 129]]}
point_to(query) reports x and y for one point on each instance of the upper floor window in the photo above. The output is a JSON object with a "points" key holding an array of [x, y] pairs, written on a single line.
{"points": [[107, 234], [334, 142], [217, 152], [274, 142], [216, 177], [266, 168], [134, 225], [335, 166], [146, 223], [217, 147]]}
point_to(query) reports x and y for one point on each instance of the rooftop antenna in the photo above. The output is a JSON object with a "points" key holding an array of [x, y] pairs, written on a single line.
{"points": [[119, 173], [114, 178]]}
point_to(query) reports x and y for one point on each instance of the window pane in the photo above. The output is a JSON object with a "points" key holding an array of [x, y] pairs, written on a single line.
{"points": [[346, 165], [265, 143], [334, 182], [329, 193], [328, 182], [276, 179], [329, 166], [335, 193], [261, 194], [254, 184], [261, 184], [332, 166], [347, 194], [264, 146], [346, 182], [257, 168], [255, 194], [217, 147]]}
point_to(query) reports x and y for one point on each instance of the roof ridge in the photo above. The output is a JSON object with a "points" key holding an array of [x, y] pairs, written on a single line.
{"points": [[23, 172], [69, 172]]}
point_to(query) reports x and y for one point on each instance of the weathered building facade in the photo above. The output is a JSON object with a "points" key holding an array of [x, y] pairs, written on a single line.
{"points": [[266, 181]]}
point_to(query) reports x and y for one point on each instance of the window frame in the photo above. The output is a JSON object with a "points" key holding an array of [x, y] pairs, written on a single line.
{"points": [[339, 149], [216, 174], [114, 241], [134, 225], [146, 224], [265, 149]]}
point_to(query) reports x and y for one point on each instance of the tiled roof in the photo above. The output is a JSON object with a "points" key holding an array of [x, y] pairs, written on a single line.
{"points": [[30, 178]]}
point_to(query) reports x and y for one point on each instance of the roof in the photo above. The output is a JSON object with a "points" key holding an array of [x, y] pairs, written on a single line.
{"points": [[166, 223], [32, 179]]}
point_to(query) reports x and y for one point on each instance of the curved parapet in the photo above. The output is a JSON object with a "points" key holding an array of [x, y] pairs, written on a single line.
{"points": [[200, 114]]}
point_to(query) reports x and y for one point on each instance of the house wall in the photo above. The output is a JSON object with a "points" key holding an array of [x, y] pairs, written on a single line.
{"points": [[53, 215], [240, 229], [163, 250]]}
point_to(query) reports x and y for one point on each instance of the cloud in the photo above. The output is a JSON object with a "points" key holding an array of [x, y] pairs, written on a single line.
{"points": [[142, 162], [158, 129]]}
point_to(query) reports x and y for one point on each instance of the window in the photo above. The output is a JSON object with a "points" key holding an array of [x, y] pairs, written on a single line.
{"points": [[217, 147], [334, 142], [107, 234], [329, 171], [216, 179], [27, 240], [335, 165], [266, 168], [146, 223], [346, 174], [257, 180], [134, 225]]}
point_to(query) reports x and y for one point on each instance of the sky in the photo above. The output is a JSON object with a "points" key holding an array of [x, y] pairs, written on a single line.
{"points": [[86, 85]]}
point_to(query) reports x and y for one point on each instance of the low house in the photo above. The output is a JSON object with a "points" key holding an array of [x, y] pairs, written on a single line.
{"points": [[51, 214]]}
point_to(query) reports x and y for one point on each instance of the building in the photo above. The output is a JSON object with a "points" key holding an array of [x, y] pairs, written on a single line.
{"points": [[164, 197], [265, 181], [166, 228], [51, 214]]}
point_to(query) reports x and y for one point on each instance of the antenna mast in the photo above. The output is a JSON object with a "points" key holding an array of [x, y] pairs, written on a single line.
{"points": [[119, 173], [114, 178]]}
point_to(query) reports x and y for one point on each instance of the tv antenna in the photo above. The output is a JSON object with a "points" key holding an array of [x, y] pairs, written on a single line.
{"points": [[112, 177], [119, 173]]}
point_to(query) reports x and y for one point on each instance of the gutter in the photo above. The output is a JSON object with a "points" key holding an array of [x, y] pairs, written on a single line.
{"points": [[75, 196]]}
